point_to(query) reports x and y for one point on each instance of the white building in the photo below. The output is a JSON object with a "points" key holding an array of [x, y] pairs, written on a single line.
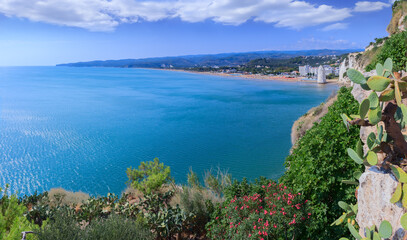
{"points": [[304, 70]]}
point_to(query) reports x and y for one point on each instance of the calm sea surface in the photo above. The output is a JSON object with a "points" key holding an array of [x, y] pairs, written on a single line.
{"points": [[80, 128]]}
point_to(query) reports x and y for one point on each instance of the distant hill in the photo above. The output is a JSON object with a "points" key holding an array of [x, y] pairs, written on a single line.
{"points": [[223, 59]]}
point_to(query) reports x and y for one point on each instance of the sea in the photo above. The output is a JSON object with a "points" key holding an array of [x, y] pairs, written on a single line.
{"points": [[81, 128]]}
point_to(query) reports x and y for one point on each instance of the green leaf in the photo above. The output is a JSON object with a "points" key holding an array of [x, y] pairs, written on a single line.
{"points": [[380, 134], [404, 112], [376, 236], [379, 69], [397, 93], [387, 95], [355, 76], [354, 232], [344, 206], [364, 108], [373, 100], [350, 182], [404, 197], [399, 173], [378, 83], [359, 148], [372, 158], [371, 140], [397, 194], [385, 229], [375, 115], [357, 175], [403, 221], [352, 154], [345, 120], [354, 208], [388, 65]]}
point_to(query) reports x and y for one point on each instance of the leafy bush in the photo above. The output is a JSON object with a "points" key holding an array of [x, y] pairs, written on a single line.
{"points": [[319, 163], [114, 227], [197, 202], [118, 228], [12, 220], [218, 181], [275, 213], [164, 220], [395, 48], [149, 176]]}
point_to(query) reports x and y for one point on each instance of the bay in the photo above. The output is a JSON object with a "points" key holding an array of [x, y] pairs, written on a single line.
{"points": [[81, 128]]}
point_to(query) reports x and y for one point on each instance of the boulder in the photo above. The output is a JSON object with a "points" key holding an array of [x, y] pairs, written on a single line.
{"points": [[376, 186]]}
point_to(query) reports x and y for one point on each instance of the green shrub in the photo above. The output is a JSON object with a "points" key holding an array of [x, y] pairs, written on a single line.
{"points": [[118, 228], [217, 182], [395, 48], [164, 220], [63, 226], [272, 213], [196, 202], [12, 219], [319, 163], [115, 227], [150, 176]]}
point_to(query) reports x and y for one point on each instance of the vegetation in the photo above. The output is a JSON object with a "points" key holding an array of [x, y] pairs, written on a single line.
{"points": [[319, 163], [258, 211], [149, 176], [395, 48], [113, 227], [12, 220]]}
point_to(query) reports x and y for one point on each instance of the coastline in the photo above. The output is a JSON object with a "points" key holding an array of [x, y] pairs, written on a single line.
{"points": [[253, 76]]}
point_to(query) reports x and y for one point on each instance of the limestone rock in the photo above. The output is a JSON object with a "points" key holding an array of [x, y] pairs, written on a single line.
{"points": [[342, 70], [375, 190], [321, 75]]}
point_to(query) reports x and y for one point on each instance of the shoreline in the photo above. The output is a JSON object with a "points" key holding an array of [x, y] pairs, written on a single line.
{"points": [[253, 77]]}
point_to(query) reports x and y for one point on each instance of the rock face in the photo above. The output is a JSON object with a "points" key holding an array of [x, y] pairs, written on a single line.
{"points": [[375, 190], [321, 75], [342, 70]]}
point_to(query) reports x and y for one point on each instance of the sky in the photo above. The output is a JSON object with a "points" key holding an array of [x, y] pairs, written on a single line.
{"points": [[49, 32]]}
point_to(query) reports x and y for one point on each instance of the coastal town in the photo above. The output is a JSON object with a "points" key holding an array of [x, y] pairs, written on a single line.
{"points": [[320, 70]]}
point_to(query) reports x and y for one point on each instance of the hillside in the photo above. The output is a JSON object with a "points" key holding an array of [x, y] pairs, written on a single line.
{"points": [[224, 59]]}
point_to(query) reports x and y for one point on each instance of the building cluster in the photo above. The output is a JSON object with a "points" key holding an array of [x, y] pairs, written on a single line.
{"points": [[307, 70]]}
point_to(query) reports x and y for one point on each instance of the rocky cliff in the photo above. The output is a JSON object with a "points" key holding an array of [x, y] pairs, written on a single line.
{"points": [[398, 22]]}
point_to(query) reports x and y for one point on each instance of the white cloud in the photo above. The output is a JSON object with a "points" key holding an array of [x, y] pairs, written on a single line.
{"points": [[366, 6], [335, 26], [106, 15]]}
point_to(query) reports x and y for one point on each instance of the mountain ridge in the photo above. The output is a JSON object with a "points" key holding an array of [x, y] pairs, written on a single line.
{"points": [[220, 59]]}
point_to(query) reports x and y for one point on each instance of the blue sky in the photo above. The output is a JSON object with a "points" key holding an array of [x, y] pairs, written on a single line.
{"points": [[48, 32]]}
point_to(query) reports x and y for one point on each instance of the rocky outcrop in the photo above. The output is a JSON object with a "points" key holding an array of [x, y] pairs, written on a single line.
{"points": [[398, 21], [306, 122], [375, 190]]}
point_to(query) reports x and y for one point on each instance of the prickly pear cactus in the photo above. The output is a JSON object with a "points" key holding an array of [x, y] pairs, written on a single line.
{"points": [[387, 149]]}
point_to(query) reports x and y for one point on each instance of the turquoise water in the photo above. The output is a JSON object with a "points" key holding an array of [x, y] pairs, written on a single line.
{"points": [[80, 128]]}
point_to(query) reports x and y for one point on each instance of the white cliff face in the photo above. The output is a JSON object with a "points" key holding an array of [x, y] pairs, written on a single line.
{"points": [[321, 75]]}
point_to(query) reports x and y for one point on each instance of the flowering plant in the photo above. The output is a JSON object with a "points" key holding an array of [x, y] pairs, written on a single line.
{"points": [[274, 214]]}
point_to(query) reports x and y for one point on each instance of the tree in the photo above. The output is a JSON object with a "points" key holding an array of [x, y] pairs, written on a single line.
{"points": [[150, 176]]}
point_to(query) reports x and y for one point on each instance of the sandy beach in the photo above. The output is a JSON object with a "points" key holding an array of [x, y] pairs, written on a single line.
{"points": [[256, 76]]}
